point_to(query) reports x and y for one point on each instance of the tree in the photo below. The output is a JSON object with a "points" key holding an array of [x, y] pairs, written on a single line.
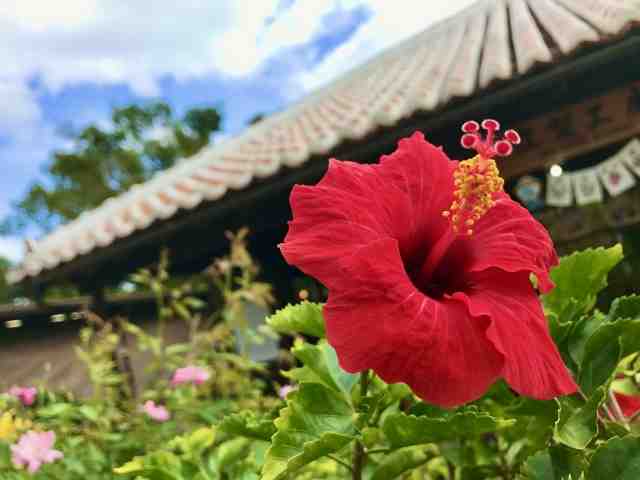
{"points": [[106, 161]]}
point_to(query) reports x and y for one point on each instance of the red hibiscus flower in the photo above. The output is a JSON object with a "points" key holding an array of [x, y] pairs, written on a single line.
{"points": [[428, 265], [629, 404]]}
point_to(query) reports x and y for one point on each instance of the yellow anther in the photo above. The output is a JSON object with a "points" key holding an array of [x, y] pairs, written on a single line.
{"points": [[476, 181]]}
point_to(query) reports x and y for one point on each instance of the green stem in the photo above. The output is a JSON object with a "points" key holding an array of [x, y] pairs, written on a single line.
{"points": [[359, 455], [378, 450], [341, 462]]}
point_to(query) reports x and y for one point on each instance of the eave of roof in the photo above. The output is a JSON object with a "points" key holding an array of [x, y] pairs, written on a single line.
{"points": [[491, 41]]}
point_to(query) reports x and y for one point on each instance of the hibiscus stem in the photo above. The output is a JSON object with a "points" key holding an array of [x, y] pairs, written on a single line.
{"points": [[358, 449]]}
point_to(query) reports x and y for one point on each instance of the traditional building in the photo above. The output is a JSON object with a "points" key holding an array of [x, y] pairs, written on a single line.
{"points": [[564, 72]]}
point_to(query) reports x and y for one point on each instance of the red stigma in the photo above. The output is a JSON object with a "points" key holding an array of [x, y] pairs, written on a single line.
{"points": [[487, 147]]}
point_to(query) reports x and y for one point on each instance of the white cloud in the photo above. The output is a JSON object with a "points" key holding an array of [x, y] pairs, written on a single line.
{"points": [[245, 46], [12, 248], [105, 42], [391, 22], [20, 110], [41, 15]]}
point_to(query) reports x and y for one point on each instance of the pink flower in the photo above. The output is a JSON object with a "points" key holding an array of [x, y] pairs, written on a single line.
{"points": [[156, 412], [190, 374], [285, 390], [33, 449], [26, 395]]}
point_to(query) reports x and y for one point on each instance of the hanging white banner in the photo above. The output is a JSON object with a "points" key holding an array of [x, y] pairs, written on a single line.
{"points": [[559, 192], [586, 186], [614, 176], [630, 155]]}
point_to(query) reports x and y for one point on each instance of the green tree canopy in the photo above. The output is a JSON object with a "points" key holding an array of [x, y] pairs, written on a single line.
{"points": [[106, 161]]}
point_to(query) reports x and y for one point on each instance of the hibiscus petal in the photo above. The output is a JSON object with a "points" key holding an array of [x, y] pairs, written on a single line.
{"points": [[519, 330], [425, 174], [352, 206], [381, 322], [629, 404], [509, 238]]}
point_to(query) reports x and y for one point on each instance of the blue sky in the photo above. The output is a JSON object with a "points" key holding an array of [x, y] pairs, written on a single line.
{"points": [[68, 63]]}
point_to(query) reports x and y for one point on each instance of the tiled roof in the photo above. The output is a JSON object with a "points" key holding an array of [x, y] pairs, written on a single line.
{"points": [[490, 41]]}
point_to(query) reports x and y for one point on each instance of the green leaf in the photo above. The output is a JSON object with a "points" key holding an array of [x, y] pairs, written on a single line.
{"points": [[577, 421], [404, 430], [579, 278], [556, 463], [249, 425], [321, 366], [317, 421], [582, 331], [194, 443], [559, 331], [157, 465], [401, 461], [89, 412], [480, 472], [304, 317], [230, 452], [538, 467], [617, 459], [567, 463], [56, 410], [536, 418], [625, 307], [604, 350]]}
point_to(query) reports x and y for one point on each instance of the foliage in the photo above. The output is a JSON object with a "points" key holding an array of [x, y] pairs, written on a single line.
{"points": [[335, 424], [103, 162]]}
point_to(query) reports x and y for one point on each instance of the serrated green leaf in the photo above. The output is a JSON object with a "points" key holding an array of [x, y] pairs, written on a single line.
{"points": [[579, 278], [321, 366], [617, 459], [404, 430], [317, 421], [249, 425], [305, 317], [577, 422], [401, 461], [624, 307], [604, 350]]}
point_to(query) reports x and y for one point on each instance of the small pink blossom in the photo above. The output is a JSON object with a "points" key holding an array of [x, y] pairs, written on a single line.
{"points": [[156, 412], [285, 390], [33, 449], [26, 395], [190, 374]]}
